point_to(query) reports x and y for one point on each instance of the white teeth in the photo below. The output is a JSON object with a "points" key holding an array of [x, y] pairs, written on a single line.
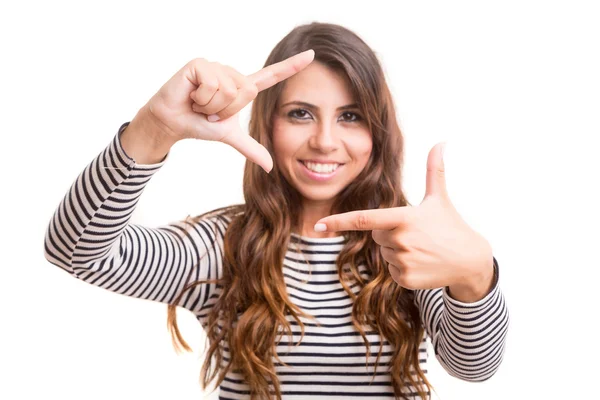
{"points": [[321, 168]]}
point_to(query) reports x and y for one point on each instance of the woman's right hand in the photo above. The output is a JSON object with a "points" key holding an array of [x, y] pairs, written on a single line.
{"points": [[203, 91]]}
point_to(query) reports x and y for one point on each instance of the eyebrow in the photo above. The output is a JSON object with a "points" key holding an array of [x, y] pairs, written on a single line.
{"points": [[314, 107]]}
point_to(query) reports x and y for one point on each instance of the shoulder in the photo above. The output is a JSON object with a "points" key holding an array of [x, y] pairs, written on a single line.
{"points": [[216, 222]]}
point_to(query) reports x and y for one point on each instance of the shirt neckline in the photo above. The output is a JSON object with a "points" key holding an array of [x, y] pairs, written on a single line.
{"points": [[335, 239]]}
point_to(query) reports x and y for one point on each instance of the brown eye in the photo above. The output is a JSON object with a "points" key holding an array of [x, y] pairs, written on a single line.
{"points": [[350, 117], [299, 113]]}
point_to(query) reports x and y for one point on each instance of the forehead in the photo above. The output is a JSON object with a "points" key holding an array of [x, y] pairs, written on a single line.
{"points": [[319, 85]]}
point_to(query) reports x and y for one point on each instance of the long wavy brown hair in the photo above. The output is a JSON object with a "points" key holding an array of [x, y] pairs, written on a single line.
{"points": [[251, 310]]}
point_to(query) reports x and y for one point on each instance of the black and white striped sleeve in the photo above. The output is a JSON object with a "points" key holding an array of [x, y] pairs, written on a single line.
{"points": [[468, 338], [90, 236]]}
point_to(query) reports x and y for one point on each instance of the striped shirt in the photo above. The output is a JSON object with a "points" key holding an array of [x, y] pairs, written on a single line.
{"points": [[91, 238]]}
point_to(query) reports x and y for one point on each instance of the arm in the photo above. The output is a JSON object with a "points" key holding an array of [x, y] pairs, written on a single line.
{"points": [[468, 338], [90, 237]]}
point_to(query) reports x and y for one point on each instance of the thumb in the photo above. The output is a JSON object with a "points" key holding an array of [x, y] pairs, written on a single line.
{"points": [[249, 148], [436, 172]]}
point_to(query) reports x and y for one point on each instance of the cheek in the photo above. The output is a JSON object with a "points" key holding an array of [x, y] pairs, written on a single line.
{"points": [[361, 146], [285, 141], [279, 137]]}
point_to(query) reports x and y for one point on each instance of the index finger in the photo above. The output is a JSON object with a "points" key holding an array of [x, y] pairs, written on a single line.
{"points": [[275, 73], [364, 220]]}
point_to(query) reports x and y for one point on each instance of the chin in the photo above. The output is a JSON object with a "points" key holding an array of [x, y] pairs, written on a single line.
{"points": [[325, 194]]}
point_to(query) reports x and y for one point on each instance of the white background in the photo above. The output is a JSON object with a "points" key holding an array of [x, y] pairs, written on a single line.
{"points": [[512, 86]]}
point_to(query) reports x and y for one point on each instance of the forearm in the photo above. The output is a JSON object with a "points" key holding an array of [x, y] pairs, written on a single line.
{"points": [[468, 337], [107, 188], [471, 338]]}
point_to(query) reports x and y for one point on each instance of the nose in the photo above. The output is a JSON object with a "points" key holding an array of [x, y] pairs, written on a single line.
{"points": [[324, 138]]}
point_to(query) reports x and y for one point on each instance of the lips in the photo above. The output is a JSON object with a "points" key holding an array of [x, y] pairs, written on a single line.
{"points": [[320, 176], [321, 168], [321, 161]]}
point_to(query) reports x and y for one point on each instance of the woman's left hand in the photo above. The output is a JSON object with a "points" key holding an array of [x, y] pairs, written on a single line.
{"points": [[427, 246]]}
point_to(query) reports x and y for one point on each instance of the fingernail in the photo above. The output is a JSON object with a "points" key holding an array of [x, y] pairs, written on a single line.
{"points": [[320, 228], [213, 118], [444, 149]]}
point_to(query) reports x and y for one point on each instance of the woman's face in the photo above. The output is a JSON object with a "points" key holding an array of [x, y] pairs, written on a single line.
{"points": [[320, 140]]}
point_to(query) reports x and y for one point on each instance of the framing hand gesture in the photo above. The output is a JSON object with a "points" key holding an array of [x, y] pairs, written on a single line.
{"points": [[427, 246], [202, 93]]}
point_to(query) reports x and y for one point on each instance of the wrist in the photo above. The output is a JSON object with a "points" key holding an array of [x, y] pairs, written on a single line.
{"points": [[144, 140], [477, 286]]}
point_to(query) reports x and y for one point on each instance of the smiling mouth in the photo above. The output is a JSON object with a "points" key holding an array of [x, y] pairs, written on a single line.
{"points": [[321, 168]]}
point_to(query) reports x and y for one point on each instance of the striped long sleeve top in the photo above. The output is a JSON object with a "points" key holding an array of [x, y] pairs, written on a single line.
{"points": [[90, 237]]}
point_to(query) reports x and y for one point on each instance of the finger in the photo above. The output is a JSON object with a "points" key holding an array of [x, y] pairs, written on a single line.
{"points": [[395, 273], [250, 148], [208, 84], [275, 73], [247, 92], [436, 172], [388, 254], [384, 238], [364, 220], [225, 94], [198, 109]]}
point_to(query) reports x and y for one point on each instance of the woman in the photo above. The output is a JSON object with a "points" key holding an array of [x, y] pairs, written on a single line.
{"points": [[296, 302]]}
